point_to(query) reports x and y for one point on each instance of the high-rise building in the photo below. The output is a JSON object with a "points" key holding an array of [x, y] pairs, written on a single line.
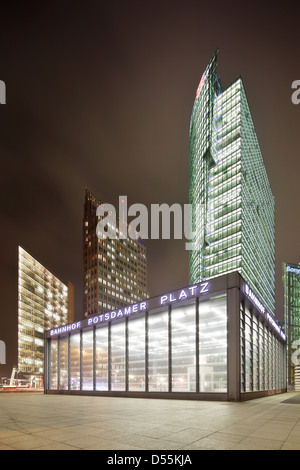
{"points": [[114, 270], [233, 206], [43, 302], [291, 283]]}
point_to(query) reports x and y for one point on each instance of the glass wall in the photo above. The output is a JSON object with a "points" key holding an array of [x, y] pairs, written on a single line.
{"points": [[75, 361], [182, 349], [262, 355], [267, 359], [291, 281], [242, 349], [213, 345], [261, 358], [63, 363], [158, 350], [136, 355], [54, 365], [118, 357], [248, 352], [183, 327], [87, 360], [101, 359], [255, 353]]}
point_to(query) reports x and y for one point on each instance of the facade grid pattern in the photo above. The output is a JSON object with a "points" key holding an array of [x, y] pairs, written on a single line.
{"points": [[233, 206], [44, 302], [114, 270], [291, 283], [263, 363]]}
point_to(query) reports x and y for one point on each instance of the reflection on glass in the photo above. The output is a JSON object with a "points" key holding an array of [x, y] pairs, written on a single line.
{"points": [[158, 352], [75, 361], [267, 359], [213, 345], [248, 352], [118, 356], [272, 361], [136, 352], [242, 341], [261, 358], [87, 360], [184, 348], [63, 363], [54, 364], [255, 353], [102, 358]]}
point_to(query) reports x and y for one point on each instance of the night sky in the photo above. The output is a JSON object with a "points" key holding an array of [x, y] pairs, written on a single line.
{"points": [[100, 94]]}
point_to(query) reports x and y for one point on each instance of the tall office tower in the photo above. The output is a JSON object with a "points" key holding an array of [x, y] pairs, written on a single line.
{"points": [[44, 302], [114, 270], [233, 206], [291, 283]]}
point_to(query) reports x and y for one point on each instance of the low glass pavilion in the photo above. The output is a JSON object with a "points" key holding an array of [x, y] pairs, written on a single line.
{"points": [[212, 340]]}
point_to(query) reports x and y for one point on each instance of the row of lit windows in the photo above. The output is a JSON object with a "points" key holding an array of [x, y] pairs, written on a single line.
{"points": [[40, 275]]}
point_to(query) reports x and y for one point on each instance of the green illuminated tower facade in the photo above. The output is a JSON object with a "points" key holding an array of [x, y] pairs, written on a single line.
{"points": [[291, 283], [233, 206]]}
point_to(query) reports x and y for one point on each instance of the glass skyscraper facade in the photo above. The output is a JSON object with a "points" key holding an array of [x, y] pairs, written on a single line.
{"points": [[43, 302], [233, 206], [291, 283]]}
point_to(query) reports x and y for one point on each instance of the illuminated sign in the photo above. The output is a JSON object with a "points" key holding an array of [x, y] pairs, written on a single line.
{"points": [[200, 86], [251, 296], [254, 299], [170, 298], [65, 329], [184, 293], [293, 270], [148, 304], [274, 324], [121, 312]]}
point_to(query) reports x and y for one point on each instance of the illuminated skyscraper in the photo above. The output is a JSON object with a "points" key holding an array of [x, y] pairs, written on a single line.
{"points": [[291, 283], [234, 215], [43, 302], [114, 271]]}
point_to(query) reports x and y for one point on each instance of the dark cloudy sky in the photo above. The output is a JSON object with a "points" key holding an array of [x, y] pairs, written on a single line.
{"points": [[100, 94]]}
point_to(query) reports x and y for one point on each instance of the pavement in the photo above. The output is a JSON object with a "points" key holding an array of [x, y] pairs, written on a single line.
{"points": [[34, 421]]}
